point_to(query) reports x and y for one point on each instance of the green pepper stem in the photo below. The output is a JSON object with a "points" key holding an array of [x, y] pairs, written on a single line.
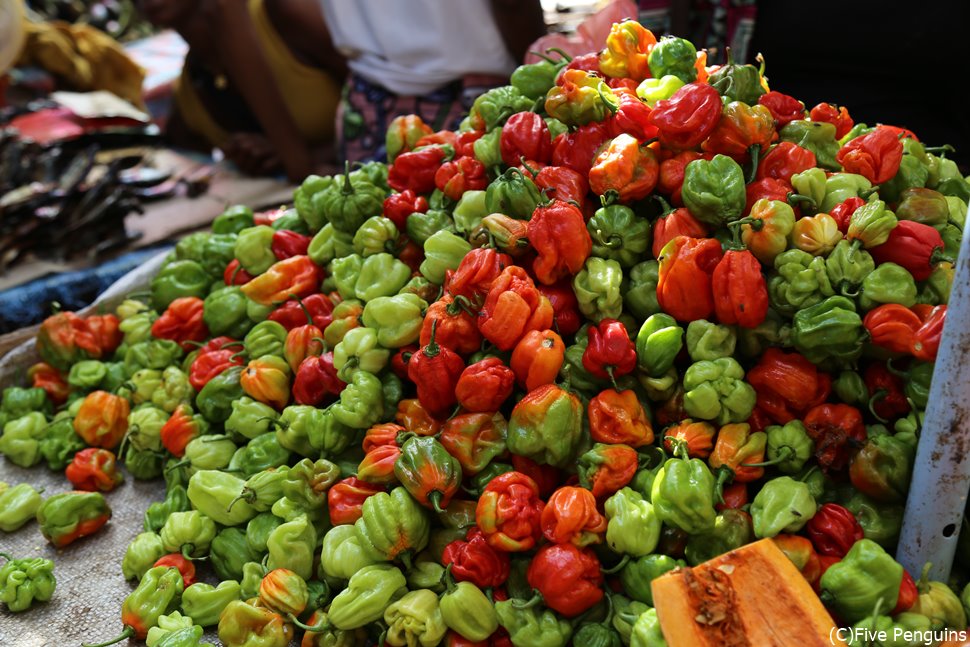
{"points": [[725, 475], [311, 628], [923, 585], [940, 256], [784, 453], [525, 164], [129, 632], [678, 447], [665, 207], [247, 494], [406, 560], [617, 568], [434, 498], [535, 600], [299, 301], [611, 196], [879, 395], [432, 349], [448, 580], [755, 151], [565, 57], [348, 188], [794, 199], [939, 150]]}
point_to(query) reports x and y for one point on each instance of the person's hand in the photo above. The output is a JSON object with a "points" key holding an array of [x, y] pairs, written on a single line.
{"points": [[252, 153]]}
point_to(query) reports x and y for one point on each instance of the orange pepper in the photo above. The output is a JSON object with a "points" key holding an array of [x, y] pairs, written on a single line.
{"points": [[295, 276], [699, 437], [618, 417], [684, 284], [537, 358], [413, 416], [512, 308], [44, 376], [267, 380], [626, 167], [455, 327], [737, 447], [570, 516], [740, 129], [627, 51], [102, 419], [557, 231]]}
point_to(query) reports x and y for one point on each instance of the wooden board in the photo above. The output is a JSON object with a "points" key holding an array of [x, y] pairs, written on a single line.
{"points": [[751, 596]]}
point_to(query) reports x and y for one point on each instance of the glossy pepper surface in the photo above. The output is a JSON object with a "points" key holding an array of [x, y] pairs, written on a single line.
{"points": [[546, 426], [63, 518]]}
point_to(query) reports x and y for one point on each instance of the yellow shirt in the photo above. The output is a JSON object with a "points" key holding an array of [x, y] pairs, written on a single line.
{"points": [[311, 95]]}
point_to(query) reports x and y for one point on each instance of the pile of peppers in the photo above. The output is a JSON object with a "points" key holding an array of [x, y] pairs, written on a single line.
{"points": [[634, 313]]}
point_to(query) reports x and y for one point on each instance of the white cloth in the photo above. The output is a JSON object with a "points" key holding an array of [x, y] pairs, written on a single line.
{"points": [[412, 47]]}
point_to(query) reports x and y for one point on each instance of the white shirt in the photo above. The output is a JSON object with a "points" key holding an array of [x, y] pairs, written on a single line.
{"points": [[412, 47]]}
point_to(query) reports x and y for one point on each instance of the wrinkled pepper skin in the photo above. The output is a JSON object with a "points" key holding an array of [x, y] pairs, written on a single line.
{"points": [[63, 518], [369, 592], [25, 581], [509, 511], [546, 426], [865, 576], [683, 495]]}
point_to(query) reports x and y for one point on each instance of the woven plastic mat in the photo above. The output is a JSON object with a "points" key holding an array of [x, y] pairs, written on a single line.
{"points": [[86, 606]]}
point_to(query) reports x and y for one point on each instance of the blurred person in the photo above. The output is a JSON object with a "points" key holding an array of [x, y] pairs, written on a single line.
{"points": [[261, 81], [426, 57]]}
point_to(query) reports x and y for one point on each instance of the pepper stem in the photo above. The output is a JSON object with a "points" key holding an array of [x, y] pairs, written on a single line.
{"points": [[940, 256], [725, 475], [299, 301], [312, 628], [755, 151], [665, 207], [448, 580], [878, 396], [938, 150], [6, 556], [129, 632], [784, 453], [923, 585], [434, 498], [794, 199], [678, 446], [247, 494], [617, 568], [432, 349], [611, 196], [525, 164], [566, 57], [348, 188], [535, 600]]}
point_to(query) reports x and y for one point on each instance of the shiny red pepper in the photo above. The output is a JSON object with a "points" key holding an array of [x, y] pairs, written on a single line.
{"points": [[562, 183], [783, 108], [525, 136], [610, 353], [783, 160], [474, 560], [295, 312], [684, 285], [235, 274], [104, 328], [875, 155], [566, 317], [916, 331], [912, 245], [415, 170], [632, 116], [435, 370], [287, 244], [833, 530], [302, 342], [557, 231], [484, 386], [94, 470], [842, 212], [345, 499], [512, 308], [740, 291], [316, 380], [677, 222], [787, 385], [44, 376], [568, 578], [459, 175], [838, 116], [454, 324], [886, 397], [578, 148], [688, 117], [179, 430], [210, 363], [908, 594], [476, 272], [671, 178], [184, 565], [182, 322], [398, 206]]}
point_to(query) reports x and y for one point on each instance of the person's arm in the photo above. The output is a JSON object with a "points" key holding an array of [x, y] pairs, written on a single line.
{"points": [[520, 22], [249, 71]]}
